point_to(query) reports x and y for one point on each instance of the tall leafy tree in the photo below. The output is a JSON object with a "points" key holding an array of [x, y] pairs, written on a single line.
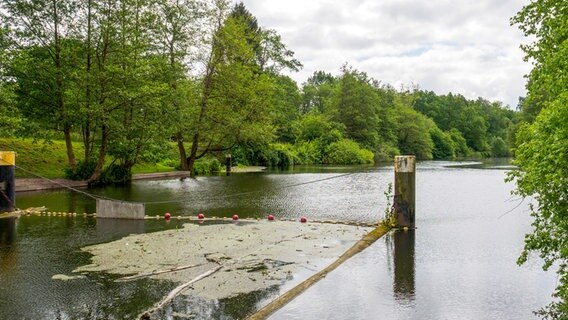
{"points": [[285, 102], [39, 29], [234, 103], [357, 107], [543, 145], [178, 25], [230, 106], [317, 92]]}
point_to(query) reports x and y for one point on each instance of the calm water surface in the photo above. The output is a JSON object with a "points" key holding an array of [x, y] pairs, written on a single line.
{"points": [[459, 264]]}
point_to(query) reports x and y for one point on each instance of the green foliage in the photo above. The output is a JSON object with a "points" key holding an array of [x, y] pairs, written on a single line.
{"points": [[543, 145], [543, 174], [317, 127], [10, 119], [82, 171], [207, 165], [115, 173], [347, 151], [444, 147], [286, 155], [386, 153], [460, 145], [119, 78], [278, 155], [389, 220], [285, 101], [357, 108], [309, 152], [414, 133], [318, 92], [499, 148], [476, 121]]}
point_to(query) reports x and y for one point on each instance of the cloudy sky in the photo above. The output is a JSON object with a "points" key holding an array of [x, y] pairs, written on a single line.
{"points": [[459, 46]]}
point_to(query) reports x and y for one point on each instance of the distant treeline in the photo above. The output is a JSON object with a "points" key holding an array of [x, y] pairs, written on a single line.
{"points": [[128, 77]]}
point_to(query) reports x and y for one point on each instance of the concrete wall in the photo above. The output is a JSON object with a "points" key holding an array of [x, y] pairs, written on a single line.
{"points": [[119, 210]]}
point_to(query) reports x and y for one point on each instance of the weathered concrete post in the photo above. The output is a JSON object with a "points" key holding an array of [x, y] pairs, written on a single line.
{"points": [[404, 190], [228, 164], [7, 180]]}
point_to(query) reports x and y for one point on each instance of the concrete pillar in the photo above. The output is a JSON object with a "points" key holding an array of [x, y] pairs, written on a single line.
{"points": [[7, 180], [404, 191], [115, 209]]}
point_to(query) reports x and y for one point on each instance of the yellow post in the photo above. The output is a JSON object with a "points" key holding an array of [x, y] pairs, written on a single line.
{"points": [[7, 158], [7, 180]]}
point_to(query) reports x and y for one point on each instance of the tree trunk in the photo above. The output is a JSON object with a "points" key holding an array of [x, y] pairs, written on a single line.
{"points": [[102, 155], [193, 155], [69, 146], [182, 153], [87, 125]]}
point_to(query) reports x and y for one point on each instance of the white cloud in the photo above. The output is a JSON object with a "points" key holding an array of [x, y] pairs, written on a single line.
{"points": [[458, 46]]}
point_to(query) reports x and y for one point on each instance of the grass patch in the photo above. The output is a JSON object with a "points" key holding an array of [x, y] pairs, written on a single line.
{"points": [[48, 159], [152, 168]]}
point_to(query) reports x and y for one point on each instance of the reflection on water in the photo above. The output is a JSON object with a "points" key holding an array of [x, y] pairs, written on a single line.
{"points": [[8, 260], [403, 286], [7, 231], [117, 228], [458, 264]]}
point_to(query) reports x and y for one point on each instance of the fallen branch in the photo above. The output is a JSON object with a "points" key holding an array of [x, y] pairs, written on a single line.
{"points": [[175, 292], [359, 246], [157, 272]]}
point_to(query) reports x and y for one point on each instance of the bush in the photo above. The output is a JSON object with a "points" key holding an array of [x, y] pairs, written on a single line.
{"points": [[116, 174], [347, 151], [285, 155], [83, 170], [386, 153], [309, 152], [205, 166]]}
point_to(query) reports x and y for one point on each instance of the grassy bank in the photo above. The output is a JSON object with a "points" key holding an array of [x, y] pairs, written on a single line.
{"points": [[49, 159]]}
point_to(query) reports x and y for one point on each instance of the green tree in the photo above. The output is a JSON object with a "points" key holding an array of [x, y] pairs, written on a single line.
{"points": [[235, 100], [444, 147], [357, 108], [176, 32], [285, 102], [232, 108], [414, 133], [460, 145], [317, 92], [543, 174], [543, 145], [39, 29]]}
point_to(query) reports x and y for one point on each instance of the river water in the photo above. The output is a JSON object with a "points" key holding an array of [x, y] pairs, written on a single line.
{"points": [[458, 264]]}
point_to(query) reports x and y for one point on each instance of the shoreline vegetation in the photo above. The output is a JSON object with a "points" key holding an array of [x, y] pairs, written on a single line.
{"points": [[135, 101]]}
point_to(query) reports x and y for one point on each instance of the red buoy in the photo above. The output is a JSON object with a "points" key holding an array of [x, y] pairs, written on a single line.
{"points": [[201, 216], [270, 217], [303, 219], [167, 216], [235, 217]]}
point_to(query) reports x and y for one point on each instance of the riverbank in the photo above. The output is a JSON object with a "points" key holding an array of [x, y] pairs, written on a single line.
{"points": [[37, 184]]}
